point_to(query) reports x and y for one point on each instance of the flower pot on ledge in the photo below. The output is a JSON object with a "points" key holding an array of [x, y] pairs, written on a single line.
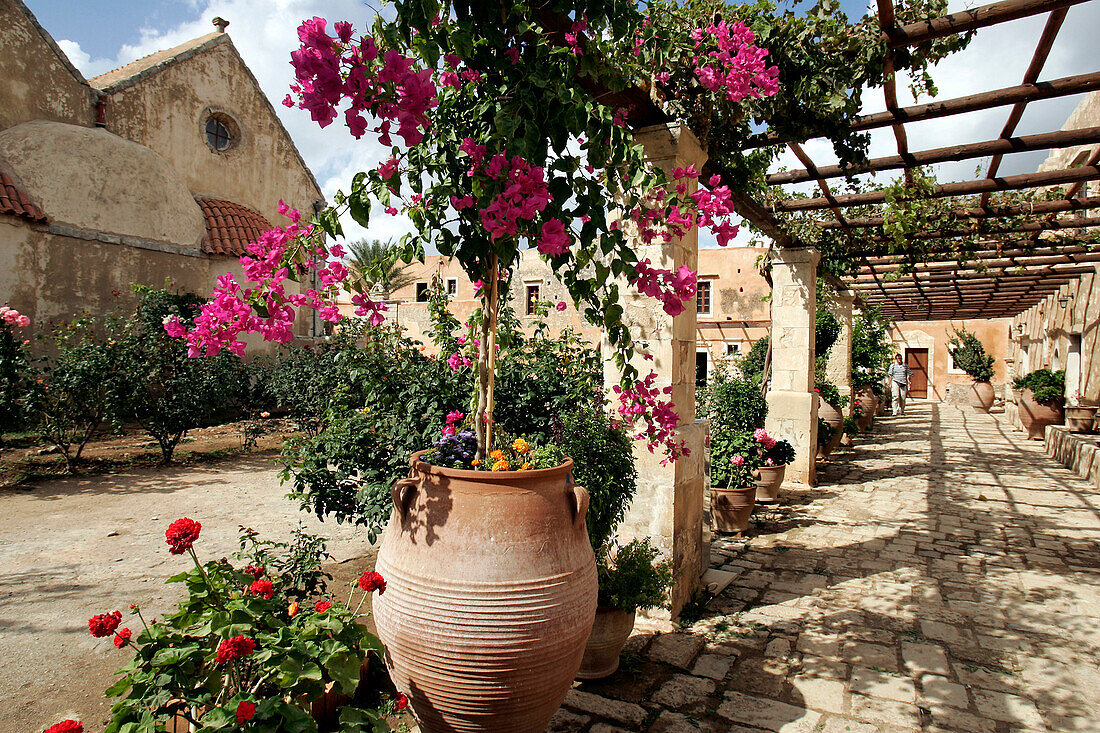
{"points": [[491, 595], [1080, 418]]}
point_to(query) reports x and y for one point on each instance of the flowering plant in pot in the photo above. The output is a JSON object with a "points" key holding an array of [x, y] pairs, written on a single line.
{"points": [[774, 456], [969, 354], [735, 458], [250, 648], [1041, 400]]}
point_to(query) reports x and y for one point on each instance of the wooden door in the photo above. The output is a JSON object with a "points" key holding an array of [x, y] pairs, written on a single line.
{"points": [[917, 360]]}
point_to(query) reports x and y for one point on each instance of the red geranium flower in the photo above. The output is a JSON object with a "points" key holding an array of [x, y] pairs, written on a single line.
{"points": [[402, 702], [67, 726], [245, 711], [122, 637], [255, 572], [322, 606], [181, 534], [371, 580], [230, 649], [262, 588], [104, 624]]}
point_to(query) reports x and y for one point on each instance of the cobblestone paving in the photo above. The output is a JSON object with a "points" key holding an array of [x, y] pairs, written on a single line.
{"points": [[945, 576]]}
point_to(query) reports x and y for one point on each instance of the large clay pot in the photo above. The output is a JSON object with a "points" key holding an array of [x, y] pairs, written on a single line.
{"points": [[981, 396], [1036, 417], [835, 420], [867, 398], [1080, 419], [767, 486], [609, 634], [491, 595], [730, 508]]}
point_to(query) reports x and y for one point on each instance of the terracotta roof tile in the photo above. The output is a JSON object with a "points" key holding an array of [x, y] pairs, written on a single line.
{"points": [[15, 201], [230, 227]]}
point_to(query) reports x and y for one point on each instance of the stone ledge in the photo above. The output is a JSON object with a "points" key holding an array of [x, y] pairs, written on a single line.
{"points": [[1078, 452]]}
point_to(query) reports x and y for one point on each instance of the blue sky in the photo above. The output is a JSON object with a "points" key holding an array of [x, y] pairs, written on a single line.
{"points": [[99, 35]]}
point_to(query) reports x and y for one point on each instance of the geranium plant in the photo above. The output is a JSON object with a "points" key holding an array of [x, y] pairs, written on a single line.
{"points": [[14, 369], [500, 143], [249, 648], [772, 452]]}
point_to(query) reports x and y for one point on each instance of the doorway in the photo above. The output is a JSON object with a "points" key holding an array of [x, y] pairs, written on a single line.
{"points": [[917, 361]]}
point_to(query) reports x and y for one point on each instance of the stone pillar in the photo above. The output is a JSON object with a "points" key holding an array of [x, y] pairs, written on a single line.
{"points": [[668, 506], [839, 368], [792, 403]]}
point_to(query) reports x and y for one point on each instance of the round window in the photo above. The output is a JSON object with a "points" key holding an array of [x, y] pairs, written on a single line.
{"points": [[221, 132]]}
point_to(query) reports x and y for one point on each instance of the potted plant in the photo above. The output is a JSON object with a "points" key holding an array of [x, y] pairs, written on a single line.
{"points": [[830, 409], [969, 354], [864, 416], [1041, 399], [828, 438], [1080, 417], [774, 457], [255, 648], [851, 429], [632, 576], [735, 456]]}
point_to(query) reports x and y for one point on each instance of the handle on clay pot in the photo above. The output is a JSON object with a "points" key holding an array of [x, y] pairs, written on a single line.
{"points": [[579, 500], [402, 494]]}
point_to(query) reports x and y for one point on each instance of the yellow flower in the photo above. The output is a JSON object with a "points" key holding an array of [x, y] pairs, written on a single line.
{"points": [[525, 467], [501, 465], [475, 462], [520, 446], [497, 455], [293, 610]]}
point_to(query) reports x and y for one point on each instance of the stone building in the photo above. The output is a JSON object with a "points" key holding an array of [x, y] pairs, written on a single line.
{"points": [[160, 171]]}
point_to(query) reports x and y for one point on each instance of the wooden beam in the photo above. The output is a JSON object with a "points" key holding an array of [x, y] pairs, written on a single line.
{"points": [[970, 151], [968, 20], [990, 212], [961, 188], [1051, 89], [1038, 59], [1076, 188]]}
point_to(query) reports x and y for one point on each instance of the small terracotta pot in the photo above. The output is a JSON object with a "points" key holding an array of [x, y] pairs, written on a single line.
{"points": [[767, 486], [490, 596], [981, 396], [730, 508], [1035, 417], [609, 634], [1080, 419]]}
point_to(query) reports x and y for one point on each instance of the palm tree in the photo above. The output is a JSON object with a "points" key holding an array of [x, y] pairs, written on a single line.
{"points": [[366, 252]]}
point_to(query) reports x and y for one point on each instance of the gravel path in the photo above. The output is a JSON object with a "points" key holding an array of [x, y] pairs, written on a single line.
{"points": [[79, 546]]}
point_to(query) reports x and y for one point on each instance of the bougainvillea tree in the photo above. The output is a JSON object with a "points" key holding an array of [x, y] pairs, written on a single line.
{"points": [[503, 136]]}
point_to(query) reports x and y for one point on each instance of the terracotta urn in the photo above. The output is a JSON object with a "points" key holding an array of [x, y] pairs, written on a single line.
{"points": [[767, 486], [1080, 419], [835, 419], [866, 397], [730, 508], [490, 597], [609, 634], [1035, 417], [981, 396]]}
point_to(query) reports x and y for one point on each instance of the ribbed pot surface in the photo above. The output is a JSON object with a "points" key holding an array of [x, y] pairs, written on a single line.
{"points": [[490, 598], [730, 509]]}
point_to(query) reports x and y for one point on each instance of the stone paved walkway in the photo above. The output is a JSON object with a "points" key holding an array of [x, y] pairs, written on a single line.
{"points": [[944, 577]]}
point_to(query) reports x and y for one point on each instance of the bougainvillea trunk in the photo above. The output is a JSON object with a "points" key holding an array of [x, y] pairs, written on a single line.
{"points": [[487, 359]]}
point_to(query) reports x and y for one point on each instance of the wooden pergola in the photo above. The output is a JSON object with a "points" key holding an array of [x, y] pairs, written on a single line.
{"points": [[1012, 267]]}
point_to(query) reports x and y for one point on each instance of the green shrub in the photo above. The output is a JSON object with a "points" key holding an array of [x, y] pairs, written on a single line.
{"points": [[15, 379], [970, 356], [1047, 387], [632, 577], [872, 350], [826, 331], [851, 427], [166, 392], [725, 446], [752, 363], [736, 404], [83, 386], [603, 463], [830, 394], [825, 433]]}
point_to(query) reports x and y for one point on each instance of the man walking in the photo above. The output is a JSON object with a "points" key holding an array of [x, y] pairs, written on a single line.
{"points": [[899, 384]]}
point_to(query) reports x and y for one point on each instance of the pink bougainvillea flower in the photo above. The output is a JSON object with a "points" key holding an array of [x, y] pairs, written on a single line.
{"points": [[181, 535], [104, 624], [372, 581], [234, 648]]}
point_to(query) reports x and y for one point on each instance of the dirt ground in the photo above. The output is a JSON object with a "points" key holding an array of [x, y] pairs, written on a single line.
{"points": [[77, 546]]}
